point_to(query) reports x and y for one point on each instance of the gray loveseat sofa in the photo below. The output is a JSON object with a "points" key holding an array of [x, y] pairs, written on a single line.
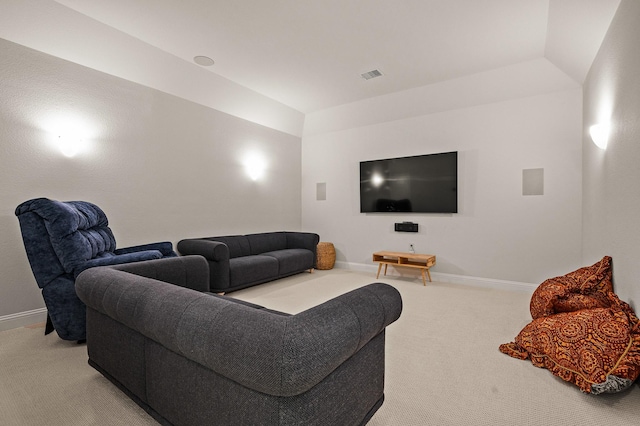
{"points": [[240, 261], [194, 358]]}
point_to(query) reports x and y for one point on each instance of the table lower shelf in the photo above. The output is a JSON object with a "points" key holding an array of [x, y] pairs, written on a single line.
{"points": [[407, 260]]}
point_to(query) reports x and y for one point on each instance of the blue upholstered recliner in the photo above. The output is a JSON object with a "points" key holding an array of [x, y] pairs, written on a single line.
{"points": [[63, 239]]}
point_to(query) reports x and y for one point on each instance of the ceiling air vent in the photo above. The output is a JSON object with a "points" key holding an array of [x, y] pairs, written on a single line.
{"points": [[371, 74]]}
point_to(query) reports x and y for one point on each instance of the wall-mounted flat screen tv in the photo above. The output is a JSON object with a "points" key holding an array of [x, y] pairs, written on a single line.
{"points": [[418, 184]]}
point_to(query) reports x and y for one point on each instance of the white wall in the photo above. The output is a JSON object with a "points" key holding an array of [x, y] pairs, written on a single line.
{"points": [[498, 233], [611, 178], [161, 167]]}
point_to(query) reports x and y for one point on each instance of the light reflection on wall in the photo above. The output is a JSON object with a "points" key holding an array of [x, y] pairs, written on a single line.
{"points": [[600, 128], [69, 133], [255, 165]]}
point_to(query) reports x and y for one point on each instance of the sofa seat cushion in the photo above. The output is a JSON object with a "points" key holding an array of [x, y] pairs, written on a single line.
{"points": [[292, 260], [252, 269]]}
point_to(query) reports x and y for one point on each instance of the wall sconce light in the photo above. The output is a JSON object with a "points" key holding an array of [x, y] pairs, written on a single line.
{"points": [[255, 166], [69, 146], [600, 134]]}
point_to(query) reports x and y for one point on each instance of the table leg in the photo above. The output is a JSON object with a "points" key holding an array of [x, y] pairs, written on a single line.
{"points": [[385, 269], [424, 281], [429, 273], [379, 266]]}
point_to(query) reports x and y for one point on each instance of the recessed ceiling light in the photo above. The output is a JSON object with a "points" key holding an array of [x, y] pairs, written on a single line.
{"points": [[205, 61], [371, 74]]}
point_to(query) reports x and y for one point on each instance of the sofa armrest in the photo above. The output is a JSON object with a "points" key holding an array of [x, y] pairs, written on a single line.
{"points": [[303, 240], [217, 255], [320, 339], [187, 271], [211, 250], [165, 247]]}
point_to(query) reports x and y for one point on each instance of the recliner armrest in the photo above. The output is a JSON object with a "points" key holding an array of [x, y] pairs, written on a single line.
{"points": [[164, 247], [136, 256]]}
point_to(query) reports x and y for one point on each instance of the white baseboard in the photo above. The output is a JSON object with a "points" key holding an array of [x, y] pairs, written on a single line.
{"points": [[8, 322], [448, 278]]}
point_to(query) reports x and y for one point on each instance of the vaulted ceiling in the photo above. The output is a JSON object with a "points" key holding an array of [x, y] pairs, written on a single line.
{"points": [[309, 55]]}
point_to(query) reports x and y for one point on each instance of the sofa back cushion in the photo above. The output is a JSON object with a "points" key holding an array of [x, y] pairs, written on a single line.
{"points": [[238, 245], [268, 241]]}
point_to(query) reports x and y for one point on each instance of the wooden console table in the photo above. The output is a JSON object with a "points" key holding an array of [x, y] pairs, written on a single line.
{"points": [[409, 260]]}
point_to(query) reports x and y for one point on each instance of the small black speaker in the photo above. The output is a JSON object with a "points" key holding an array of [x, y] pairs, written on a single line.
{"points": [[406, 227]]}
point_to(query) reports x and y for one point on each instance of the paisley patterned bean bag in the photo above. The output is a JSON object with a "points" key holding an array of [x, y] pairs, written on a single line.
{"points": [[596, 349], [581, 331]]}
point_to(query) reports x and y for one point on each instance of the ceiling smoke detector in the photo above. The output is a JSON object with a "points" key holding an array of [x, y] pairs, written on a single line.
{"points": [[371, 74]]}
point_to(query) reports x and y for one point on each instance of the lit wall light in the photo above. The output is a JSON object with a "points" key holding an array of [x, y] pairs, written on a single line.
{"points": [[69, 145], [68, 133], [600, 134], [255, 166]]}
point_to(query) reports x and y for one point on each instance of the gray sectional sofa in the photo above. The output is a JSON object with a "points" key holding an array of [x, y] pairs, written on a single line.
{"points": [[193, 358], [240, 261]]}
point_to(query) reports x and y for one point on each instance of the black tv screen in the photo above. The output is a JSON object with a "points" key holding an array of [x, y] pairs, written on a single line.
{"points": [[418, 184]]}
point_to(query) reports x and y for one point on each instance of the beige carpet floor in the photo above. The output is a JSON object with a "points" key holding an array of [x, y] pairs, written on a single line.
{"points": [[443, 364]]}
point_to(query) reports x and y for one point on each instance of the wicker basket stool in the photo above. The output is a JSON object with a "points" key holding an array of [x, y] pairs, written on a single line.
{"points": [[326, 256]]}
